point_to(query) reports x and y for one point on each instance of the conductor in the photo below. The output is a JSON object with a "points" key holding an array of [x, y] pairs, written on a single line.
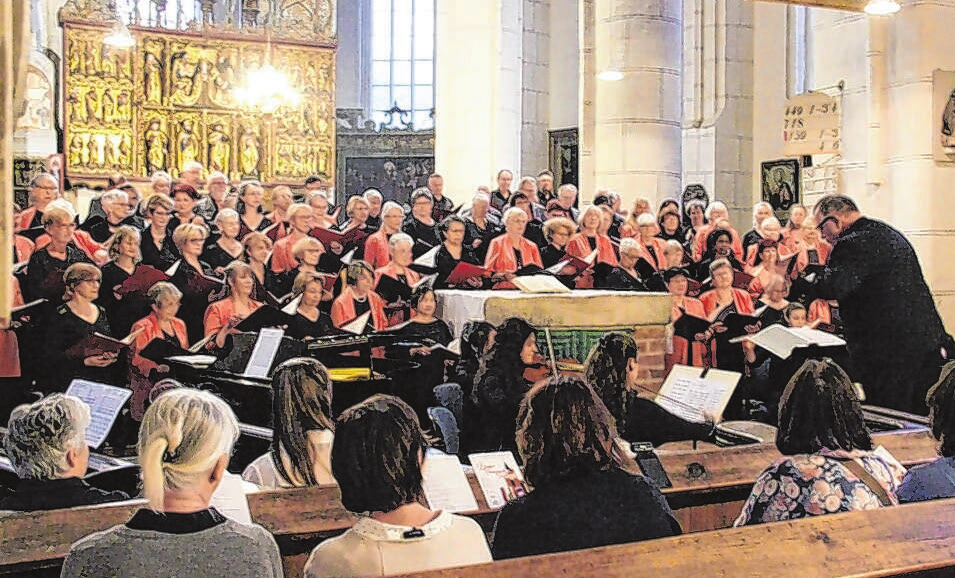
{"points": [[894, 333]]}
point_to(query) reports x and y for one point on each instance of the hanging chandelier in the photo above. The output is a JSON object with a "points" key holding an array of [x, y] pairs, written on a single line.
{"points": [[267, 88]]}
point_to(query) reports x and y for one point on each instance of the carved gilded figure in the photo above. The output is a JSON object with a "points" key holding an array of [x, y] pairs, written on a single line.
{"points": [[188, 144], [185, 77], [124, 151], [124, 111], [111, 157], [95, 159], [156, 142], [93, 110], [109, 105], [152, 71], [75, 155], [75, 111], [249, 157], [91, 60], [219, 149]]}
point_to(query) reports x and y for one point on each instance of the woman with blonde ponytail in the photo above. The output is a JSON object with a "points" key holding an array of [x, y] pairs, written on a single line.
{"points": [[185, 442]]}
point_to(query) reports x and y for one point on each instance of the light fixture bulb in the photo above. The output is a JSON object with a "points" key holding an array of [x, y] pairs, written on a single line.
{"points": [[611, 75], [119, 36], [882, 7]]}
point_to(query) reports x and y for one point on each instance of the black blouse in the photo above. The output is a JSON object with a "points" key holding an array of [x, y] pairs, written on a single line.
{"points": [[301, 327], [192, 309], [122, 313], [65, 330], [161, 257]]}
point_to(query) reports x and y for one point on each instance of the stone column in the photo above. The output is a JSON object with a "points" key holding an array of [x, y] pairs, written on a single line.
{"points": [[637, 140], [478, 85]]}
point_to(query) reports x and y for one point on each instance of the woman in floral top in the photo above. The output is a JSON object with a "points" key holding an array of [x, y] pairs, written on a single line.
{"points": [[821, 433]]}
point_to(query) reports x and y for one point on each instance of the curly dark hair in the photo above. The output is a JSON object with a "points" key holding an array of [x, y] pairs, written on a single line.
{"points": [[606, 371], [820, 409], [713, 237], [941, 403], [377, 453], [504, 358], [563, 431]]}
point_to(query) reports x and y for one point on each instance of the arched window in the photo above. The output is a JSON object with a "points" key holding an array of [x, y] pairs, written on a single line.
{"points": [[402, 60]]}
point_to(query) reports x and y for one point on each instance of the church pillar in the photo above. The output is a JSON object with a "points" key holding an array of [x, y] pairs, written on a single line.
{"points": [[478, 84], [635, 145]]}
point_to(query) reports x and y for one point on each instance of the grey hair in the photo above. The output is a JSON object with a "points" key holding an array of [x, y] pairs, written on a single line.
{"points": [[391, 206], [628, 244], [113, 196], [646, 219], [372, 193], [226, 214], [162, 290], [510, 213], [715, 206], [567, 187], [40, 434], [671, 246], [160, 176], [399, 238]]}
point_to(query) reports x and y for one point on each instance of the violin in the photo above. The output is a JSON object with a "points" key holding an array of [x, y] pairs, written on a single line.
{"points": [[538, 370]]}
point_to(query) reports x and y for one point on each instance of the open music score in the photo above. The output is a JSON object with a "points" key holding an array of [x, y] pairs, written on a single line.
{"points": [[812, 125]]}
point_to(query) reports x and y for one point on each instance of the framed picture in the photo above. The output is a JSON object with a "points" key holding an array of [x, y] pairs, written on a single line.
{"points": [[563, 156], [395, 177], [780, 184]]}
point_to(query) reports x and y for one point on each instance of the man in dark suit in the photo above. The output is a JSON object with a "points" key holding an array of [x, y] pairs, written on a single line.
{"points": [[894, 333]]}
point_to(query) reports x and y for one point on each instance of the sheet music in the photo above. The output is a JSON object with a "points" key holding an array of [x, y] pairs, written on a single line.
{"points": [[263, 354], [347, 257], [292, 307], [688, 395], [357, 326], [445, 485], [497, 472], [426, 280], [105, 401], [229, 498], [539, 284], [175, 267], [780, 340], [427, 259], [589, 259], [556, 268]]}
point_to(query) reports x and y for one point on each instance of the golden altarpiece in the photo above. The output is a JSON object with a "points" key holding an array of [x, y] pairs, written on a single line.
{"points": [[173, 97]]}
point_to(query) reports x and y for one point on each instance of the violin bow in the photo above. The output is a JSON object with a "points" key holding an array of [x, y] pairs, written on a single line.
{"points": [[550, 351]]}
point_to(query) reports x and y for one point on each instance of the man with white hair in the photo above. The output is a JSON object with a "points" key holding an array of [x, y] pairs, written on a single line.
{"points": [[209, 206], [160, 182], [567, 197], [374, 198], [116, 210], [191, 174], [46, 443]]}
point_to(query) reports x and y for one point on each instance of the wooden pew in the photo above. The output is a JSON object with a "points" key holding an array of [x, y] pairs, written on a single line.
{"points": [[709, 487], [910, 540]]}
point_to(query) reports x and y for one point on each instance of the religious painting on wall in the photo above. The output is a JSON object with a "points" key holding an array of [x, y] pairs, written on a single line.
{"points": [[395, 177], [563, 156], [172, 100], [780, 185]]}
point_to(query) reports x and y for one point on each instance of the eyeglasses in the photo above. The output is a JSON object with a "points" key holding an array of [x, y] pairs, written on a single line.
{"points": [[822, 223], [53, 188]]}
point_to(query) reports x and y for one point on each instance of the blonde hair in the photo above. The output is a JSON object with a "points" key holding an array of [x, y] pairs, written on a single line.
{"points": [[121, 234], [186, 231], [54, 214], [587, 210], [183, 435], [304, 244], [297, 208]]}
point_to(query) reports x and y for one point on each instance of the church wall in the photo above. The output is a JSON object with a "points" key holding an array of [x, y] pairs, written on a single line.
{"points": [[352, 77], [770, 79], [563, 65], [535, 92]]}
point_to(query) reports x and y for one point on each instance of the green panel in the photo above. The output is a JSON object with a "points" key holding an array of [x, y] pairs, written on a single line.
{"points": [[573, 343]]}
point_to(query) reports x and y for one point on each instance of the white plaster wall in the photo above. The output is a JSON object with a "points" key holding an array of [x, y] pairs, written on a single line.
{"points": [[769, 86], [536, 86], [352, 79], [563, 65]]}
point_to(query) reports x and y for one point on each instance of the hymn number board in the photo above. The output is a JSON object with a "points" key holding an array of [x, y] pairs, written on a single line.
{"points": [[812, 125]]}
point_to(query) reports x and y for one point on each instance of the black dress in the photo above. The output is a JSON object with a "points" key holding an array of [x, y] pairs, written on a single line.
{"points": [[195, 297], [217, 257], [122, 313], [44, 277], [301, 327], [473, 233], [445, 262], [424, 236], [419, 393], [161, 257], [587, 510], [63, 331], [619, 280], [244, 229], [646, 421]]}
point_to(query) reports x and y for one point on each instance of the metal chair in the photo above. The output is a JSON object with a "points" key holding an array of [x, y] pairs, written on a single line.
{"points": [[444, 422], [450, 396]]}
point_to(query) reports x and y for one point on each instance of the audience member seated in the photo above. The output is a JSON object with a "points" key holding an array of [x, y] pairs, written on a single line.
{"points": [[309, 321], [500, 384], [477, 338], [454, 251], [481, 226], [625, 277], [511, 251], [936, 480], [376, 246], [157, 246], [586, 492], [44, 277], [302, 429], [187, 277], [184, 446], [251, 214], [227, 247], [162, 324], [73, 321], [357, 298], [679, 349], [300, 221], [613, 369], [222, 316], [46, 444], [829, 465], [400, 248], [377, 458]]}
